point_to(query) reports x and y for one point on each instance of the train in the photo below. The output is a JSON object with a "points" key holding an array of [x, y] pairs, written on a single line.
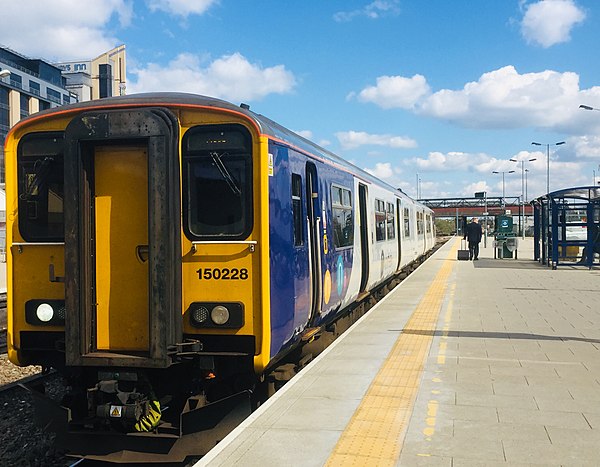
{"points": [[167, 253]]}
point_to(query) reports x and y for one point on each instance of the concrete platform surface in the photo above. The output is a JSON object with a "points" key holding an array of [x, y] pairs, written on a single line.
{"points": [[489, 362]]}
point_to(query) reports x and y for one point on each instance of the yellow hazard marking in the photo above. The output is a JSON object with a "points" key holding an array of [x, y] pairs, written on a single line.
{"points": [[429, 431], [375, 434]]}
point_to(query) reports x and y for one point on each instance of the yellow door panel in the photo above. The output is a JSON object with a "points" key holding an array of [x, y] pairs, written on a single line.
{"points": [[121, 228]]}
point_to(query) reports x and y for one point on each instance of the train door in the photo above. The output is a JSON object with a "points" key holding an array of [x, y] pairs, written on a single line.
{"points": [[399, 229], [120, 235], [421, 231], [122, 252], [364, 236], [314, 237]]}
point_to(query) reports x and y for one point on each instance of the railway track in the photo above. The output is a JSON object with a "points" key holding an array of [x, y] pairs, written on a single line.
{"points": [[3, 348]]}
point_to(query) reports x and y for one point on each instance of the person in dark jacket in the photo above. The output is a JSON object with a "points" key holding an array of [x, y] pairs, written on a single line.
{"points": [[473, 234]]}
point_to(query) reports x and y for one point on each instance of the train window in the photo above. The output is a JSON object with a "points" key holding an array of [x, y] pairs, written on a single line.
{"points": [[380, 217], [297, 210], [343, 223], [419, 223], [217, 165], [390, 221], [406, 222], [428, 223], [40, 162]]}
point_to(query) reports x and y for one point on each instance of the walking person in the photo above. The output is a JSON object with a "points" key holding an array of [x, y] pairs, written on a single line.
{"points": [[473, 234]]}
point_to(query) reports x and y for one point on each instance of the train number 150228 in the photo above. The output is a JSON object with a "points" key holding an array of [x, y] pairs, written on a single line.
{"points": [[224, 274]]}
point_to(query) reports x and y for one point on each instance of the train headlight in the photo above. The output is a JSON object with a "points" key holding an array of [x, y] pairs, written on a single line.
{"points": [[219, 314], [44, 312], [200, 315], [213, 315]]}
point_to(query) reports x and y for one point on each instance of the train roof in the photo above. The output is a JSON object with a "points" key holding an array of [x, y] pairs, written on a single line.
{"points": [[266, 126]]}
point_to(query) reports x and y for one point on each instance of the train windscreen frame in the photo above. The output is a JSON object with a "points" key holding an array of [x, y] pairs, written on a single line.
{"points": [[218, 189], [40, 168]]}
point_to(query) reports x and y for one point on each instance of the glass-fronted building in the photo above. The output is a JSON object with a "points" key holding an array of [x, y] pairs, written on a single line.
{"points": [[27, 85]]}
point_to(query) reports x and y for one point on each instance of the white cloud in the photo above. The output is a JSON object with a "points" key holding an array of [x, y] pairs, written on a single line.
{"points": [[50, 33], [499, 99], [305, 133], [230, 77], [506, 99], [451, 161], [395, 92], [374, 10], [354, 139], [475, 187], [549, 22], [586, 147], [182, 8], [382, 170]]}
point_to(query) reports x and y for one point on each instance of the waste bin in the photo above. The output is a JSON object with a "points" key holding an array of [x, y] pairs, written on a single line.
{"points": [[511, 244], [506, 242]]}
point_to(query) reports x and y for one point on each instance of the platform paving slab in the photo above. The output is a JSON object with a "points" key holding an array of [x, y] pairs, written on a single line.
{"points": [[512, 376]]}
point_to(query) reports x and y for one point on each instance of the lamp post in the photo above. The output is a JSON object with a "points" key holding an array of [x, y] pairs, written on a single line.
{"points": [[4, 73], [522, 161], [526, 197], [503, 172], [418, 187], [548, 160]]}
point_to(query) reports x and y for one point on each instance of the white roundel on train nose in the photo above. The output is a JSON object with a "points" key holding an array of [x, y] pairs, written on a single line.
{"points": [[44, 312], [219, 314]]}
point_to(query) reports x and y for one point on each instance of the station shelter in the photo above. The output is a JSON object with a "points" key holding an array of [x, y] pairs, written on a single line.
{"points": [[567, 227]]}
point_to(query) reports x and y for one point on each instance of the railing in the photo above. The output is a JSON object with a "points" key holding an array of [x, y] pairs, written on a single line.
{"points": [[20, 68]]}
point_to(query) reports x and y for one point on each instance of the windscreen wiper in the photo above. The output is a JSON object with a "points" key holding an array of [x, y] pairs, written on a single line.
{"points": [[41, 170], [225, 173]]}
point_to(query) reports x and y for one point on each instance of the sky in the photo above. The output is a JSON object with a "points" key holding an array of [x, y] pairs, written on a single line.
{"points": [[430, 96]]}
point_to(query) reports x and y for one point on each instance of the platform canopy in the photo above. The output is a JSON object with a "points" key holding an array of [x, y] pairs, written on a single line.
{"points": [[567, 226], [591, 193]]}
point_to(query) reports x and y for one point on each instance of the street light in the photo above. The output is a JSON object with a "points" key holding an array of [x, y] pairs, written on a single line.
{"points": [[526, 170], [548, 160], [503, 172], [522, 161], [4, 73], [418, 187], [587, 107]]}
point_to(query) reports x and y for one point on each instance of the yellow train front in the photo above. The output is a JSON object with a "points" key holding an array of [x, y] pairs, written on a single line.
{"points": [[135, 268]]}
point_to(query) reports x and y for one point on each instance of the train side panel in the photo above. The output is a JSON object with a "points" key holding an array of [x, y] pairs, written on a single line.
{"points": [[289, 255], [383, 242], [312, 237]]}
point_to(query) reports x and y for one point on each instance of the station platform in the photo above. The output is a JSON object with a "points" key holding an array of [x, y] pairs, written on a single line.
{"points": [[489, 362]]}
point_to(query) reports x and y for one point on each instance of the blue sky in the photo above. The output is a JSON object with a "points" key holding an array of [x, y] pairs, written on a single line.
{"points": [[448, 90]]}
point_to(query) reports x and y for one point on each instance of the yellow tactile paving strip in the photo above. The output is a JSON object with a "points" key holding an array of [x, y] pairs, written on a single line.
{"points": [[375, 433]]}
